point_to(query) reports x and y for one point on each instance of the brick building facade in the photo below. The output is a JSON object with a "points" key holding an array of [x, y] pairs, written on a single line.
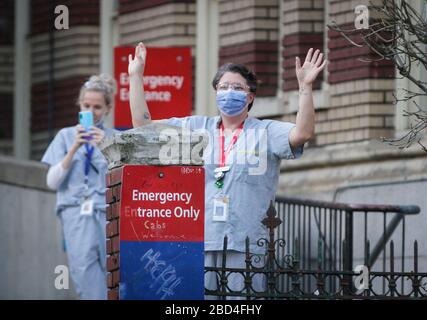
{"points": [[354, 102], [6, 75]]}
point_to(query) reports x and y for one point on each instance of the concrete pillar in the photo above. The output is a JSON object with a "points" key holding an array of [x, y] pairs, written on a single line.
{"points": [[207, 27], [106, 43], [22, 88], [171, 244]]}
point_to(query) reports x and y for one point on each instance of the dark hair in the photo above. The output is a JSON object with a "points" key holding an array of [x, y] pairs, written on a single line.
{"points": [[249, 76]]}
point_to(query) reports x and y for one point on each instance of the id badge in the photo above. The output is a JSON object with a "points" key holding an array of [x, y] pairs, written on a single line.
{"points": [[86, 208], [220, 209]]}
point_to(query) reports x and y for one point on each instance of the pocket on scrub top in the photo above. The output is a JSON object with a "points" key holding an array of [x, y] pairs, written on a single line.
{"points": [[248, 177]]}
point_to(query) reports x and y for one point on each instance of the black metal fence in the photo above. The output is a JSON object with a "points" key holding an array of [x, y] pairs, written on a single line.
{"points": [[313, 246]]}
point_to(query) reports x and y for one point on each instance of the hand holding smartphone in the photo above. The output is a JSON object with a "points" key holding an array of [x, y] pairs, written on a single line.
{"points": [[86, 119]]}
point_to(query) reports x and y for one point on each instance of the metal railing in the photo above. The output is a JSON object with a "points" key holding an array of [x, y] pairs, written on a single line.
{"points": [[332, 227], [312, 253]]}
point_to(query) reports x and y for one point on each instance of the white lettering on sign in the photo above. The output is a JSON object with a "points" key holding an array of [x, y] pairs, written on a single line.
{"points": [[124, 79], [186, 213], [124, 94], [163, 96], [178, 212], [153, 213], [153, 83], [163, 197], [164, 81]]}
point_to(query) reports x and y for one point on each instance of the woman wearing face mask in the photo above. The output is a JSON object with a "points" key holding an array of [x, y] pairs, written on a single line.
{"points": [[77, 172], [237, 195]]}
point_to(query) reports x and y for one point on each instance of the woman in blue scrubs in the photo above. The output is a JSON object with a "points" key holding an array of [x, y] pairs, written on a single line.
{"points": [[77, 171], [241, 171]]}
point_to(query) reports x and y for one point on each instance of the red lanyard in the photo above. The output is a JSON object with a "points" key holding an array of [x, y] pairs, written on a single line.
{"points": [[222, 154]]}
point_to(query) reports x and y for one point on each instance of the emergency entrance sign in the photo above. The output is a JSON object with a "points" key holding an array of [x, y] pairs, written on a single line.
{"points": [[167, 84], [162, 233]]}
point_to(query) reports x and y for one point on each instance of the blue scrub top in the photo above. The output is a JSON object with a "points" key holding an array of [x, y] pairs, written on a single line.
{"points": [[72, 189], [251, 182]]}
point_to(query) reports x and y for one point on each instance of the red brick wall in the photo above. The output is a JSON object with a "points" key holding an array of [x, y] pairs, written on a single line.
{"points": [[298, 45], [261, 57], [360, 93], [113, 182], [66, 92], [303, 28], [127, 6], [136, 24], [248, 34], [66, 88], [7, 28], [345, 64], [82, 12], [6, 61], [6, 115]]}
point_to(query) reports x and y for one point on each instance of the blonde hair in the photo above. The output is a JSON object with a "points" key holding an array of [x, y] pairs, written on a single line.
{"points": [[102, 83]]}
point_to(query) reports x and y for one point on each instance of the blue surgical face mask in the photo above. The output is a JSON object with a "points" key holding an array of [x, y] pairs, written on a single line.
{"points": [[231, 102]]}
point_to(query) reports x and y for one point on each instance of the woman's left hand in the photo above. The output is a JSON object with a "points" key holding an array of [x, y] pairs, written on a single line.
{"points": [[307, 73], [97, 134]]}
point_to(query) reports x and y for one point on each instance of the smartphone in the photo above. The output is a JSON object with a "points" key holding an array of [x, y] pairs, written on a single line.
{"points": [[86, 119]]}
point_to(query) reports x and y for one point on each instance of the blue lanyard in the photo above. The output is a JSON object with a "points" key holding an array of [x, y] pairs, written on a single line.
{"points": [[88, 158]]}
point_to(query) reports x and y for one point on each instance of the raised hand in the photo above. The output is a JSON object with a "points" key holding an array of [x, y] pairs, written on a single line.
{"points": [[307, 73], [137, 64]]}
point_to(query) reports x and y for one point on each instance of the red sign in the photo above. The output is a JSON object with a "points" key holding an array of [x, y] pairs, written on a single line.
{"points": [[162, 203], [167, 84]]}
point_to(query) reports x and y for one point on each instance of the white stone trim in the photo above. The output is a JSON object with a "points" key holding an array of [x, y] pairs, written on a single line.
{"points": [[320, 97], [76, 53], [267, 107]]}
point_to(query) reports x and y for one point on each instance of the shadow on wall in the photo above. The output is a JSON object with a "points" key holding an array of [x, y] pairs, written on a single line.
{"points": [[30, 234]]}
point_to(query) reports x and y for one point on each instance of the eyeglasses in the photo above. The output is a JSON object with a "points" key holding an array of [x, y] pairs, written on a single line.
{"points": [[233, 86]]}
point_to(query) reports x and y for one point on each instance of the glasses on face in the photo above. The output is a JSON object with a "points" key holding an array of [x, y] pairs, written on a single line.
{"points": [[233, 86]]}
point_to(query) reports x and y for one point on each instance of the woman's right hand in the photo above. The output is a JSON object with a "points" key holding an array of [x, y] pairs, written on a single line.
{"points": [[137, 65], [81, 137]]}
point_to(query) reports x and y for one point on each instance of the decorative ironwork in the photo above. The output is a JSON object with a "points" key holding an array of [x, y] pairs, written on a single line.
{"points": [[285, 278]]}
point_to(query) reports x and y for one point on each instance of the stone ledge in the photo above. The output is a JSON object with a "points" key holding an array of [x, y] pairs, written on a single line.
{"points": [[345, 154], [23, 173], [149, 145], [322, 171]]}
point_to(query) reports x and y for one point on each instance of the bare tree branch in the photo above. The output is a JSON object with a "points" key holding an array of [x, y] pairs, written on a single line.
{"points": [[399, 35]]}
